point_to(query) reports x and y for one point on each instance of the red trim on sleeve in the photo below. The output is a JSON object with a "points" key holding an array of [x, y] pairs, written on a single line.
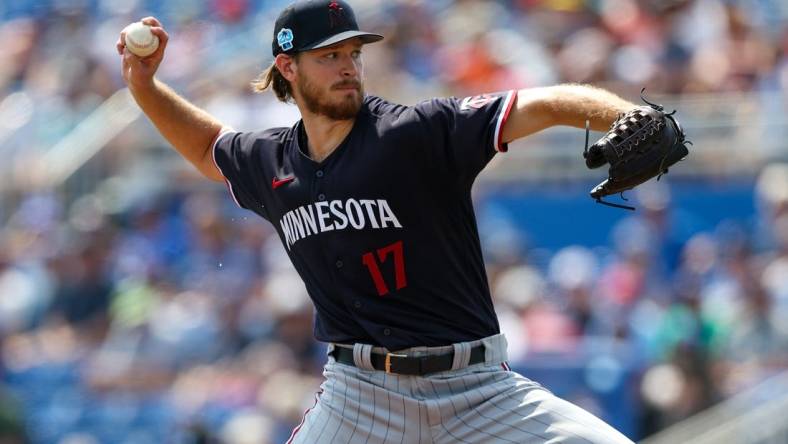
{"points": [[221, 134], [511, 99]]}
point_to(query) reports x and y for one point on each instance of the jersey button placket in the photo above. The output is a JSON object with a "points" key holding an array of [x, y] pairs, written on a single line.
{"points": [[321, 196]]}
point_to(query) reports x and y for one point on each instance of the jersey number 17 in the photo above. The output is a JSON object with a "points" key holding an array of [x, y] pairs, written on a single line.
{"points": [[383, 253]]}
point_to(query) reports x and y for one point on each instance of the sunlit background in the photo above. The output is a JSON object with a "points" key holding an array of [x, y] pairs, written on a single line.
{"points": [[139, 305]]}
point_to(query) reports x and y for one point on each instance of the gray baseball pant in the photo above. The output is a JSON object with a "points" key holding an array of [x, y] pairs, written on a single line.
{"points": [[482, 403]]}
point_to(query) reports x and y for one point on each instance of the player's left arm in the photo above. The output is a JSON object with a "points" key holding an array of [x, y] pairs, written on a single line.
{"points": [[569, 104]]}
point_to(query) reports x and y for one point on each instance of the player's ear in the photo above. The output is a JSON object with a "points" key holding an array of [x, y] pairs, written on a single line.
{"points": [[287, 66]]}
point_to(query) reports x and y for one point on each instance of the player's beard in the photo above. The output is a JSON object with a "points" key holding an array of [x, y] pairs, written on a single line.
{"points": [[317, 103]]}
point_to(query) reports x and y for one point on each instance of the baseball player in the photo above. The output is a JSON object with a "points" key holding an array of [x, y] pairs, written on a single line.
{"points": [[372, 201]]}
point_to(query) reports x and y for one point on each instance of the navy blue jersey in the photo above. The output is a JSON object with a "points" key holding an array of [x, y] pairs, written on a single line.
{"points": [[382, 231]]}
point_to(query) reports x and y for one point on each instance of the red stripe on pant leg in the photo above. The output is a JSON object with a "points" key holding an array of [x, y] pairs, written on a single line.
{"points": [[303, 419], [506, 366]]}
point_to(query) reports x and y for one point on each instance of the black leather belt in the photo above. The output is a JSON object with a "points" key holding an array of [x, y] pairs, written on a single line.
{"points": [[408, 365]]}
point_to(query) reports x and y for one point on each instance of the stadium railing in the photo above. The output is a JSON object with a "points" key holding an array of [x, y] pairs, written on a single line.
{"points": [[755, 416]]}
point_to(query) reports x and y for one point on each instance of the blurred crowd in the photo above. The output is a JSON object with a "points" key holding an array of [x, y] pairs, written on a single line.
{"points": [[173, 316], [59, 61], [180, 319]]}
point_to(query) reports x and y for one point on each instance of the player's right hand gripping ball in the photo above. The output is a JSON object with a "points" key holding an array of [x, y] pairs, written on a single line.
{"points": [[641, 144], [140, 40]]}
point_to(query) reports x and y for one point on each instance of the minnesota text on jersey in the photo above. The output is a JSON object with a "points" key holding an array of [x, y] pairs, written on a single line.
{"points": [[320, 217]]}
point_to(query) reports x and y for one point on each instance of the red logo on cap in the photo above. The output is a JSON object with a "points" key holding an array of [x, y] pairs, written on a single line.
{"points": [[335, 14]]}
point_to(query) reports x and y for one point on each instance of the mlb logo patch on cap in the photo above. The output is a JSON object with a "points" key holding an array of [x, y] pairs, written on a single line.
{"points": [[285, 39], [318, 23]]}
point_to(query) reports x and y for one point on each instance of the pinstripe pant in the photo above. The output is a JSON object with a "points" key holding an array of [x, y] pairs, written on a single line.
{"points": [[482, 403]]}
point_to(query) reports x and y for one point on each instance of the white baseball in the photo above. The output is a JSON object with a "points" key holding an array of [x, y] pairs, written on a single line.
{"points": [[140, 40]]}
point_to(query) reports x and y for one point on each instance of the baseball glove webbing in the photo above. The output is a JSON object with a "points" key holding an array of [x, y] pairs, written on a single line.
{"points": [[640, 144]]}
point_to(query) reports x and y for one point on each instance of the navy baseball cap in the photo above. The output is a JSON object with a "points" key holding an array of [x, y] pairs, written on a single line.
{"points": [[312, 24]]}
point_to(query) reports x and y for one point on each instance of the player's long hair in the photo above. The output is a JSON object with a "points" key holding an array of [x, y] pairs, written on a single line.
{"points": [[272, 78]]}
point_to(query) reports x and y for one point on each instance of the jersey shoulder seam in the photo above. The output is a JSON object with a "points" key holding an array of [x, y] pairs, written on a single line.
{"points": [[387, 108]]}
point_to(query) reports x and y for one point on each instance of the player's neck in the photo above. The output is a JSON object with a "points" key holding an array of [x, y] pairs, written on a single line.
{"points": [[324, 135]]}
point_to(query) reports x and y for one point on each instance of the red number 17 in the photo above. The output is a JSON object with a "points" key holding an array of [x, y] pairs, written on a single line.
{"points": [[374, 269]]}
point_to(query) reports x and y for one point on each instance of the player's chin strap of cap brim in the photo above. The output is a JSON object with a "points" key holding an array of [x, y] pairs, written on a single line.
{"points": [[409, 365]]}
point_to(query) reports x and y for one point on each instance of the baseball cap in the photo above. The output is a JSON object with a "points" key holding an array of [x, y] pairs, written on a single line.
{"points": [[312, 24]]}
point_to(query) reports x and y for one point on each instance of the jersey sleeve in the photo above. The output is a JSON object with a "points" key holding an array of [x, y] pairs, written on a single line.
{"points": [[466, 133], [234, 156]]}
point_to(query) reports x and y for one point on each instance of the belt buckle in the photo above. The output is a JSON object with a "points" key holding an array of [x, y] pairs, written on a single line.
{"points": [[388, 360]]}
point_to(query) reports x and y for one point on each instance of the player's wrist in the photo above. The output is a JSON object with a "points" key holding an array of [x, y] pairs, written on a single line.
{"points": [[141, 86]]}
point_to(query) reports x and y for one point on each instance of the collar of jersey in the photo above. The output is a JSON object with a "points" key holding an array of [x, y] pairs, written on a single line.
{"points": [[300, 136]]}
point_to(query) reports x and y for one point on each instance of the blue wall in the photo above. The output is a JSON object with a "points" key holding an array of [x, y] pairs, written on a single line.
{"points": [[555, 216]]}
